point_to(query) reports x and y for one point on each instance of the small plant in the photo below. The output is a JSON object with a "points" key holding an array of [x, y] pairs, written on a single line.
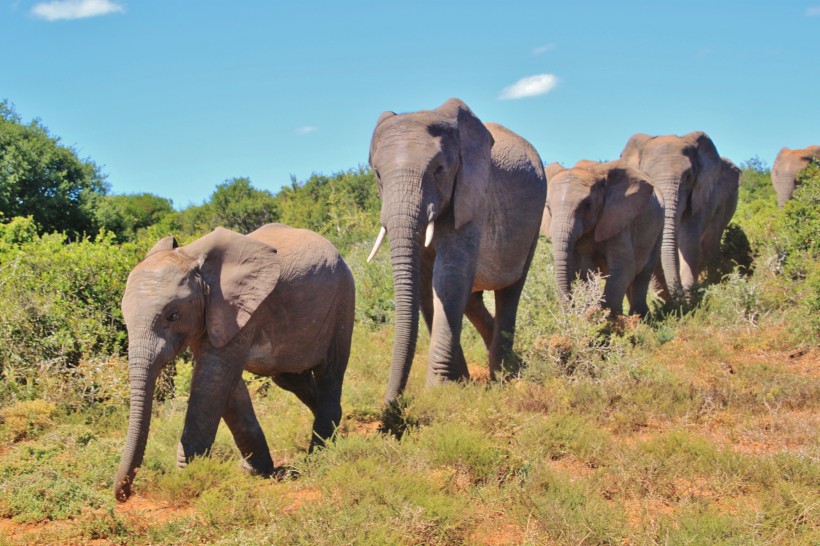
{"points": [[26, 419], [584, 336]]}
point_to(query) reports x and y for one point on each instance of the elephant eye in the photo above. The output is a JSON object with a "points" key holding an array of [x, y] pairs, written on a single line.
{"points": [[173, 317]]}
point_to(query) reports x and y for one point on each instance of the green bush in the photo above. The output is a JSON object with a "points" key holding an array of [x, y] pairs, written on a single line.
{"points": [[61, 307]]}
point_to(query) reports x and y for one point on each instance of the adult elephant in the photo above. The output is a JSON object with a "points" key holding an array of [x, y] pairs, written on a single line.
{"points": [[278, 302], [462, 203], [606, 217], [723, 206], [686, 169], [787, 165]]}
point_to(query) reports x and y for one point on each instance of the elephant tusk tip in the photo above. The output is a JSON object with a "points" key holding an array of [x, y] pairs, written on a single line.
{"points": [[378, 244], [428, 236]]}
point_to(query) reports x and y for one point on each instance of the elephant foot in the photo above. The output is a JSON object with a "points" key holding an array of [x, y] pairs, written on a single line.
{"points": [[183, 459], [262, 467]]}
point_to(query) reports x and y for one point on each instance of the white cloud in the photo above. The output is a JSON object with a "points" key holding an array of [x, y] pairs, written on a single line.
{"points": [[75, 9], [531, 86], [305, 129], [540, 50], [813, 11]]}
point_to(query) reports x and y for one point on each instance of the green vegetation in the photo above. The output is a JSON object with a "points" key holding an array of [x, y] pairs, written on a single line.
{"points": [[688, 428]]}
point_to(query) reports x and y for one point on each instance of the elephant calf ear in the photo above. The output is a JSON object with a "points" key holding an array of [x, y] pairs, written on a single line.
{"points": [[166, 243], [241, 272], [626, 195]]}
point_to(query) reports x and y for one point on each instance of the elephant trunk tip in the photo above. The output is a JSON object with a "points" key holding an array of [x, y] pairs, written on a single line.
{"points": [[122, 488]]}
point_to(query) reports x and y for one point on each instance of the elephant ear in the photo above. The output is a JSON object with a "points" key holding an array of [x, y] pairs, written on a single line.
{"points": [[241, 272], [627, 192], [552, 169], [631, 153], [164, 244], [382, 117], [475, 145], [707, 163]]}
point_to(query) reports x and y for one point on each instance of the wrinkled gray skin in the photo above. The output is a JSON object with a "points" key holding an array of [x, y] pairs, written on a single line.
{"points": [[483, 188], [606, 217], [685, 169], [787, 165], [278, 302], [722, 208]]}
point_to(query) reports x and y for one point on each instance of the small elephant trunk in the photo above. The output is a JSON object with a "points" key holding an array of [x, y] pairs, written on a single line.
{"points": [[142, 375], [563, 252]]}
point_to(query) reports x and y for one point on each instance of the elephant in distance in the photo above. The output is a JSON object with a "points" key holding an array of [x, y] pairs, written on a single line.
{"points": [[787, 165], [278, 302], [462, 204], [686, 169], [606, 217], [724, 204]]}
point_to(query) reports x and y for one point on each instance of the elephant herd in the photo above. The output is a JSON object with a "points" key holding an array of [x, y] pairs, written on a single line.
{"points": [[462, 203]]}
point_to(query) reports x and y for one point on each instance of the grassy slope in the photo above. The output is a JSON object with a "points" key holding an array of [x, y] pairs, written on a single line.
{"points": [[701, 432], [699, 429]]}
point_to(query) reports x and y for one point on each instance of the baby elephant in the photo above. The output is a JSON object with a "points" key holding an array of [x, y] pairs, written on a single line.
{"points": [[278, 302], [610, 217]]}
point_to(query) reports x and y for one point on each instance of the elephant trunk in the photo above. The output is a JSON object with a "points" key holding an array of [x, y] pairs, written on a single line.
{"points": [[783, 182], [403, 219], [670, 261], [563, 242], [143, 371]]}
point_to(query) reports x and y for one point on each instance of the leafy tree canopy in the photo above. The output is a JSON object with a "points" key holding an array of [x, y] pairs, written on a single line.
{"points": [[125, 215], [41, 178]]}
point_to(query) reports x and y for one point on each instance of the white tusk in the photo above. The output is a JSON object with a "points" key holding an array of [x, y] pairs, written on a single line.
{"points": [[377, 244], [428, 237]]}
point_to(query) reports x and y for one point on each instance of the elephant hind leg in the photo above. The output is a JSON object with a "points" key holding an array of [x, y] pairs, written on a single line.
{"points": [[480, 317], [328, 379], [246, 431], [502, 358], [303, 385]]}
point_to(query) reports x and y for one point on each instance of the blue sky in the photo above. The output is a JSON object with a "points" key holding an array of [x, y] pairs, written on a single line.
{"points": [[173, 97]]}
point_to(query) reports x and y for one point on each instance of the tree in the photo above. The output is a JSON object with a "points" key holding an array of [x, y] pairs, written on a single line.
{"points": [[43, 179], [125, 215], [239, 206], [343, 207]]}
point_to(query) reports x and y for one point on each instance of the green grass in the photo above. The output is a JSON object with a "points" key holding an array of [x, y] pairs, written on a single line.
{"points": [[693, 427]]}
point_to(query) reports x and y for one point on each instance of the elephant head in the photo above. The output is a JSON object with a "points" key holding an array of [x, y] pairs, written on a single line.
{"points": [[432, 168], [594, 203], [179, 297], [787, 165], [685, 169]]}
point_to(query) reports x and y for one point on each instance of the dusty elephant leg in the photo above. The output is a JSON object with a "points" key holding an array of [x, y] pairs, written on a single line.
{"points": [[689, 245], [329, 411], [502, 358], [329, 379], [480, 317], [212, 382], [426, 294], [452, 285], [303, 385], [246, 431], [638, 291]]}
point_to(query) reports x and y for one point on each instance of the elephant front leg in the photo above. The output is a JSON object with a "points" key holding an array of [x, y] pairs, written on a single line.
{"points": [[247, 433], [621, 269], [212, 383], [689, 252], [453, 275]]}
